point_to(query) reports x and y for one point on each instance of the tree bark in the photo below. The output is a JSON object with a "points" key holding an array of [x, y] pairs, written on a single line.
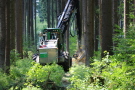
{"points": [[134, 11], [96, 34], [2, 33], [115, 18], [31, 23], [19, 26], [106, 27], [52, 14], [79, 25], [48, 13], [7, 45], [126, 17]]}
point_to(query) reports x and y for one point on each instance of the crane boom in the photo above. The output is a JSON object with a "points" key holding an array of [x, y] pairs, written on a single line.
{"points": [[66, 15]]}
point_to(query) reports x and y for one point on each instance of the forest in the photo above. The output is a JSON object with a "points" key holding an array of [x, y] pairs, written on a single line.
{"points": [[100, 37]]}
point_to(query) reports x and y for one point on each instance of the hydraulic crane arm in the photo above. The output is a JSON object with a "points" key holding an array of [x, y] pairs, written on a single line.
{"points": [[54, 42], [66, 15]]}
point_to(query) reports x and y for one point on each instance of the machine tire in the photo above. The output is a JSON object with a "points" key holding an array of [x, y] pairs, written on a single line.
{"points": [[66, 64]]}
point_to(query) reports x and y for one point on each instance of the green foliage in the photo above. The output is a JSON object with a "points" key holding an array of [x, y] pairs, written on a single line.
{"points": [[29, 48], [80, 76], [114, 72], [118, 69], [107, 74], [14, 56], [26, 74], [20, 68], [118, 75], [4, 80], [73, 45], [18, 73], [41, 74], [40, 25]]}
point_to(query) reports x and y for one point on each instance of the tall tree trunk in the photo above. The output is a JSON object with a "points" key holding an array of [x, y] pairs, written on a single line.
{"points": [[31, 23], [96, 25], [89, 37], [12, 32], [2, 33], [115, 13], [7, 45], [134, 11], [126, 17], [25, 32], [84, 31], [28, 35], [52, 15], [79, 21], [19, 27], [48, 13], [106, 28], [115, 18], [35, 15]]}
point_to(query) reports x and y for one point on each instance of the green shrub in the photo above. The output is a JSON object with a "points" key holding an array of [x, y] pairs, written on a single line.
{"points": [[29, 74], [41, 75], [20, 68], [73, 45], [107, 74], [80, 76], [117, 75], [29, 48], [14, 56], [4, 81], [18, 73]]}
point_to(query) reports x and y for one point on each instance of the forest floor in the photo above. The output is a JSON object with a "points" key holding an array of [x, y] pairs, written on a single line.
{"points": [[65, 79]]}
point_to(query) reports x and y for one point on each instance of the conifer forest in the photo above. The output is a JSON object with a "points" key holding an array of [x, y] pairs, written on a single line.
{"points": [[67, 45]]}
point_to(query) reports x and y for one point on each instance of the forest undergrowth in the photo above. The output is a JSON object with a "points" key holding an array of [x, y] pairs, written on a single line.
{"points": [[113, 72]]}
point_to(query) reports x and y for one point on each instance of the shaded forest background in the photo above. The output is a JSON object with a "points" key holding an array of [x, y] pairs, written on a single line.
{"points": [[97, 24], [105, 32]]}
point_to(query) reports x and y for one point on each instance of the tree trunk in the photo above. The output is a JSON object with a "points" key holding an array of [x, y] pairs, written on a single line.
{"points": [[12, 32], [96, 25], [7, 45], [84, 33], [106, 27], [89, 37], [79, 25], [126, 17], [27, 29], [35, 15], [52, 14], [134, 11], [48, 13], [115, 17], [19, 27], [31, 23], [2, 33]]}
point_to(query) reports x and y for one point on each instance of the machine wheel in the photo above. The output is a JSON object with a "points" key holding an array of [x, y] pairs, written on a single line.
{"points": [[67, 64]]}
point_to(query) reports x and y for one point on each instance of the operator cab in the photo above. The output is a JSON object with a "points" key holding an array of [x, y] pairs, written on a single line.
{"points": [[51, 33], [48, 45], [49, 37]]}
